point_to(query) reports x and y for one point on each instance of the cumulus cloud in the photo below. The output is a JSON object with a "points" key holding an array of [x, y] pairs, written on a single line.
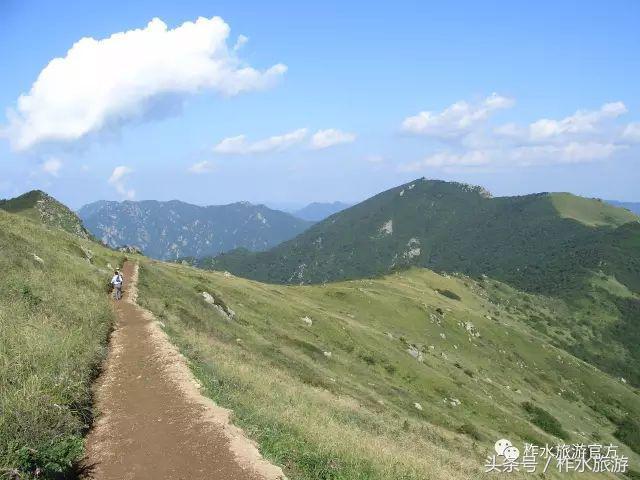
{"points": [[52, 166], [585, 136], [205, 166], [583, 121], [117, 180], [103, 83], [457, 119], [239, 145], [330, 137]]}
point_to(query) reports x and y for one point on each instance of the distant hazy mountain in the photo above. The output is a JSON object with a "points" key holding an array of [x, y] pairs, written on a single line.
{"points": [[38, 205], [633, 206], [174, 229], [315, 212]]}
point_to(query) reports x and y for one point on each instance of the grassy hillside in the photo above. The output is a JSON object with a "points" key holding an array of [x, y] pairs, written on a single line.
{"points": [[410, 376], [557, 245], [55, 318], [42, 208]]}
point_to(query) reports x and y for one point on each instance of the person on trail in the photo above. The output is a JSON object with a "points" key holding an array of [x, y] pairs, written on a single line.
{"points": [[117, 281]]}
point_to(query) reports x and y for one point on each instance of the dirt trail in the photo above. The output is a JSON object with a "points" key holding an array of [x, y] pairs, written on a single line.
{"points": [[153, 423]]}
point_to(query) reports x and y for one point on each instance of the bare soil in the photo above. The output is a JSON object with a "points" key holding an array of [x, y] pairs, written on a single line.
{"points": [[152, 422]]}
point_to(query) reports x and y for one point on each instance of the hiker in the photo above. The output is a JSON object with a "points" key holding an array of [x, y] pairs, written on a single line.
{"points": [[117, 281]]}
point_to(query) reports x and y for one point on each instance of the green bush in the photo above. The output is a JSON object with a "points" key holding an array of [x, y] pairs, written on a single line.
{"points": [[544, 420], [449, 294], [470, 430], [628, 431]]}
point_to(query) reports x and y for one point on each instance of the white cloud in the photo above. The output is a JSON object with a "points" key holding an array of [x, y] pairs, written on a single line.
{"points": [[117, 180], [473, 158], [330, 137], [240, 146], [240, 42], [103, 83], [52, 166], [585, 136], [583, 121], [456, 120], [573, 152], [205, 166], [632, 132]]}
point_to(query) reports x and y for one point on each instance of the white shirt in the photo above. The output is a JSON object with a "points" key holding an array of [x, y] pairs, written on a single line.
{"points": [[116, 280]]}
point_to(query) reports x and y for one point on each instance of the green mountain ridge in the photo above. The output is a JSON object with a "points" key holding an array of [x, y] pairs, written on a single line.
{"points": [[440, 225], [42, 207], [552, 244]]}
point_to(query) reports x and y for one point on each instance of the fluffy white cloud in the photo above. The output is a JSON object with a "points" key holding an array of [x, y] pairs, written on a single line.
{"points": [[52, 166], [457, 119], [583, 121], [330, 137], [585, 136], [632, 132], [117, 179], [102, 83], [205, 166], [240, 146]]}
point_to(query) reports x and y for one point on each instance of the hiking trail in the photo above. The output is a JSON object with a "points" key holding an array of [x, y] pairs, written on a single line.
{"points": [[152, 421]]}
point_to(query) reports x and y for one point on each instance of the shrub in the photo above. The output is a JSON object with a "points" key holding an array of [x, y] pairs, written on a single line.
{"points": [[367, 358], [628, 431], [470, 430], [449, 294], [544, 420]]}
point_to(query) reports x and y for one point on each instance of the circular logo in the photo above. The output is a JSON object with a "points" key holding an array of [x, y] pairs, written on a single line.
{"points": [[511, 454], [501, 445]]}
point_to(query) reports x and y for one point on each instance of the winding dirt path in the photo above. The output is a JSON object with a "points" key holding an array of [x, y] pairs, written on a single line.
{"points": [[153, 422]]}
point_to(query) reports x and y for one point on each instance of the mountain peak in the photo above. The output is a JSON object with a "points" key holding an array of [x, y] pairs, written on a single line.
{"points": [[451, 186], [39, 205]]}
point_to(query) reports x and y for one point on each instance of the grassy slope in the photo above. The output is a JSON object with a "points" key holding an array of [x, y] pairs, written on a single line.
{"points": [[558, 245], [54, 322], [42, 208], [352, 415], [587, 210]]}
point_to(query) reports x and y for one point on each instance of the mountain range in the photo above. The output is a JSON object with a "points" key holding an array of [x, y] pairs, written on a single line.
{"points": [[413, 374], [174, 229]]}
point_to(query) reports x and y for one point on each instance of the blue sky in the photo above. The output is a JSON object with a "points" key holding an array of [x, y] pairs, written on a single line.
{"points": [[324, 101]]}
